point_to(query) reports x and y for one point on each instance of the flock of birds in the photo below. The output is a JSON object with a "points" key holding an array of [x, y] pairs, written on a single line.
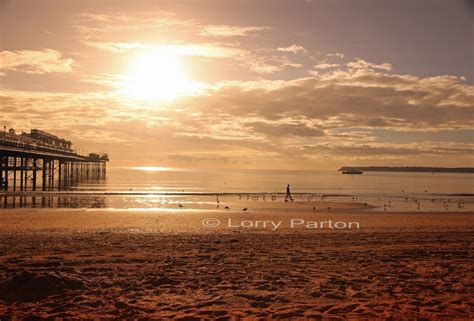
{"points": [[273, 197], [459, 203], [446, 202]]}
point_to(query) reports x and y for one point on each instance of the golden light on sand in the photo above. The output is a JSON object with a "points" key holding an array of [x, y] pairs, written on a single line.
{"points": [[156, 75]]}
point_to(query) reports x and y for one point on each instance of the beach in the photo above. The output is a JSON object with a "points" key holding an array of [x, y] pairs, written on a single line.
{"points": [[226, 264], [236, 160]]}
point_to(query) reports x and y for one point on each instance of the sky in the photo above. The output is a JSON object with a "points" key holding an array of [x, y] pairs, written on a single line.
{"points": [[292, 84]]}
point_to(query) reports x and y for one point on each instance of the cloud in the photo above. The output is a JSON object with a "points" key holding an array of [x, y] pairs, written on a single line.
{"points": [[110, 26], [260, 63], [293, 49], [376, 122], [355, 65], [342, 106], [229, 31], [278, 129], [343, 113], [391, 150], [336, 54], [362, 64], [35, 61], [112, 33], [325, 66], [107, 26], [199, 50], [402, 101]]}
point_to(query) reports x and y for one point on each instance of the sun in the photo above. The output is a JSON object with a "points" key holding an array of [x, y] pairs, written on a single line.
{"points": [[156, 75]]}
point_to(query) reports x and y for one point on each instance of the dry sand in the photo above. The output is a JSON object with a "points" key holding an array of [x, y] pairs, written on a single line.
{"points": [[132, 264]]}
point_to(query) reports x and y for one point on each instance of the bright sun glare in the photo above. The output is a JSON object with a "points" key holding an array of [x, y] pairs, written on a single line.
{"points": [[156, 75]]}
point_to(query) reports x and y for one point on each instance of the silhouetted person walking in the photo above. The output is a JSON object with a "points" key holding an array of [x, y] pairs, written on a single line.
{"points": [[288, 194]]}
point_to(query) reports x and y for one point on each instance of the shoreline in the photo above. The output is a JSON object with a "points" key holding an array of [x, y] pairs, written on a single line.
{"points": [[176, 193], [424, 203]]}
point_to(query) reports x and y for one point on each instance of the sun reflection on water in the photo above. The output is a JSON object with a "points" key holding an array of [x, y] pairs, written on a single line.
{"points": [[152, 168]]}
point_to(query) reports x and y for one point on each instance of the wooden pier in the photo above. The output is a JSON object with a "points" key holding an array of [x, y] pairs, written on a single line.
{"points": [[29, 166]]}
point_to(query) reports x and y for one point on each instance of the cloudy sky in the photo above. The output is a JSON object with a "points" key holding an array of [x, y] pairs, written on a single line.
{"points": [[244, 84]]}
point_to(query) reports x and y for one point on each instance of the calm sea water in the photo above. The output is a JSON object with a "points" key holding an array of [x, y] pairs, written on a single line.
{"points": [[146, 188], [157, 179]]}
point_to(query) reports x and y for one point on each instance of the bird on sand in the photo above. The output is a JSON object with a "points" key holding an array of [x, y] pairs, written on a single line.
{"points": [[244, 209]]}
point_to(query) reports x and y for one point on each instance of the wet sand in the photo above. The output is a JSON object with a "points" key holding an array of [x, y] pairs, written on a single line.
{"points": [[155, 264]]}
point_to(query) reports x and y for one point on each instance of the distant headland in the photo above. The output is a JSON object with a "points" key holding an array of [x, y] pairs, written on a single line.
{"points": [[410, 169]]}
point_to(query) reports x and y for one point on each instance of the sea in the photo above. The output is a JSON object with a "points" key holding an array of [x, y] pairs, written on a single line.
{"points": [[164, 187]]}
